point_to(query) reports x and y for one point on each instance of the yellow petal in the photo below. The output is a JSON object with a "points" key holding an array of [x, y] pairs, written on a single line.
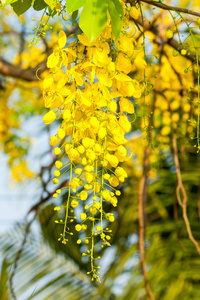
{"points": [[62, 39]]}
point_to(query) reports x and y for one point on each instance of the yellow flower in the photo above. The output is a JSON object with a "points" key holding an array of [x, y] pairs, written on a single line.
{"points": [[83, 195]]}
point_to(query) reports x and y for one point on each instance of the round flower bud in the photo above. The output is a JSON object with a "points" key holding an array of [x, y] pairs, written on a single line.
{"points": [[83, 195], [83, 216], [74, 203], [56, 173], [169, 34], [78, 227], [57, 151], [111, 219], [98, 228], [183, 52], [81, 149], [78, 171], [55, 180], [53, 141], [106, 176], [58, 164]]}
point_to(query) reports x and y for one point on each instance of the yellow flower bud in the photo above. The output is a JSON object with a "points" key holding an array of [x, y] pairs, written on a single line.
{"points": [[78, 227], [67, 115], [81, 149], [49, 117], [53, 141], [78, 171], [61, 133], [55, 180], [58, 164], [134, 12], [56, 173], [183, 52], [57, 151], [83, 216], [74, 203], [89, 177], [98, 228], [169, 34], [83, 195], [113, 181]]}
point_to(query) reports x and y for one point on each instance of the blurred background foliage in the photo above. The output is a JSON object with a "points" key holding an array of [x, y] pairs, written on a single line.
{"points": [[50, 270]]}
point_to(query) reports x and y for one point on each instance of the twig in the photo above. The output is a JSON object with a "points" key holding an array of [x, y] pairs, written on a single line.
{"points": [[169, 7], [180, 189]]}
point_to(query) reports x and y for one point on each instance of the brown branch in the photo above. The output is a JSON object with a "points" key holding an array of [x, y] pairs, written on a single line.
{"points": [[169, 7], [198, 201], [141, 203], [180, 189], [142, 195], [8, 69], [154, 27]]}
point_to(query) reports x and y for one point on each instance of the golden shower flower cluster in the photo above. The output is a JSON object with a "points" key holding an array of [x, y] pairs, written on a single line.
{"points": [[88, 88]]}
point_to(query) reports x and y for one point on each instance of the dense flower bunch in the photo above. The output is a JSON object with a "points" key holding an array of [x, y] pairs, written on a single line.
{"points": [[87, 86]]}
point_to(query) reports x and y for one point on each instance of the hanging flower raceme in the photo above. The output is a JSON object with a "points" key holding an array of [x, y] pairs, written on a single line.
{"points": [[87, 87]]}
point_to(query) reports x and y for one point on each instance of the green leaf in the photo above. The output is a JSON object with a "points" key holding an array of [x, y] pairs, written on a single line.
{"points": [[51, 3], [21, 6], [6, 2], [118, 7], [93, 18], [116, 21], [74, 15], [39, 5], [73, 5]]}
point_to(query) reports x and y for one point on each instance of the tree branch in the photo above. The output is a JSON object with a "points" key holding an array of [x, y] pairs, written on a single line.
{"points": [[168, 7], [8, 69]]}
